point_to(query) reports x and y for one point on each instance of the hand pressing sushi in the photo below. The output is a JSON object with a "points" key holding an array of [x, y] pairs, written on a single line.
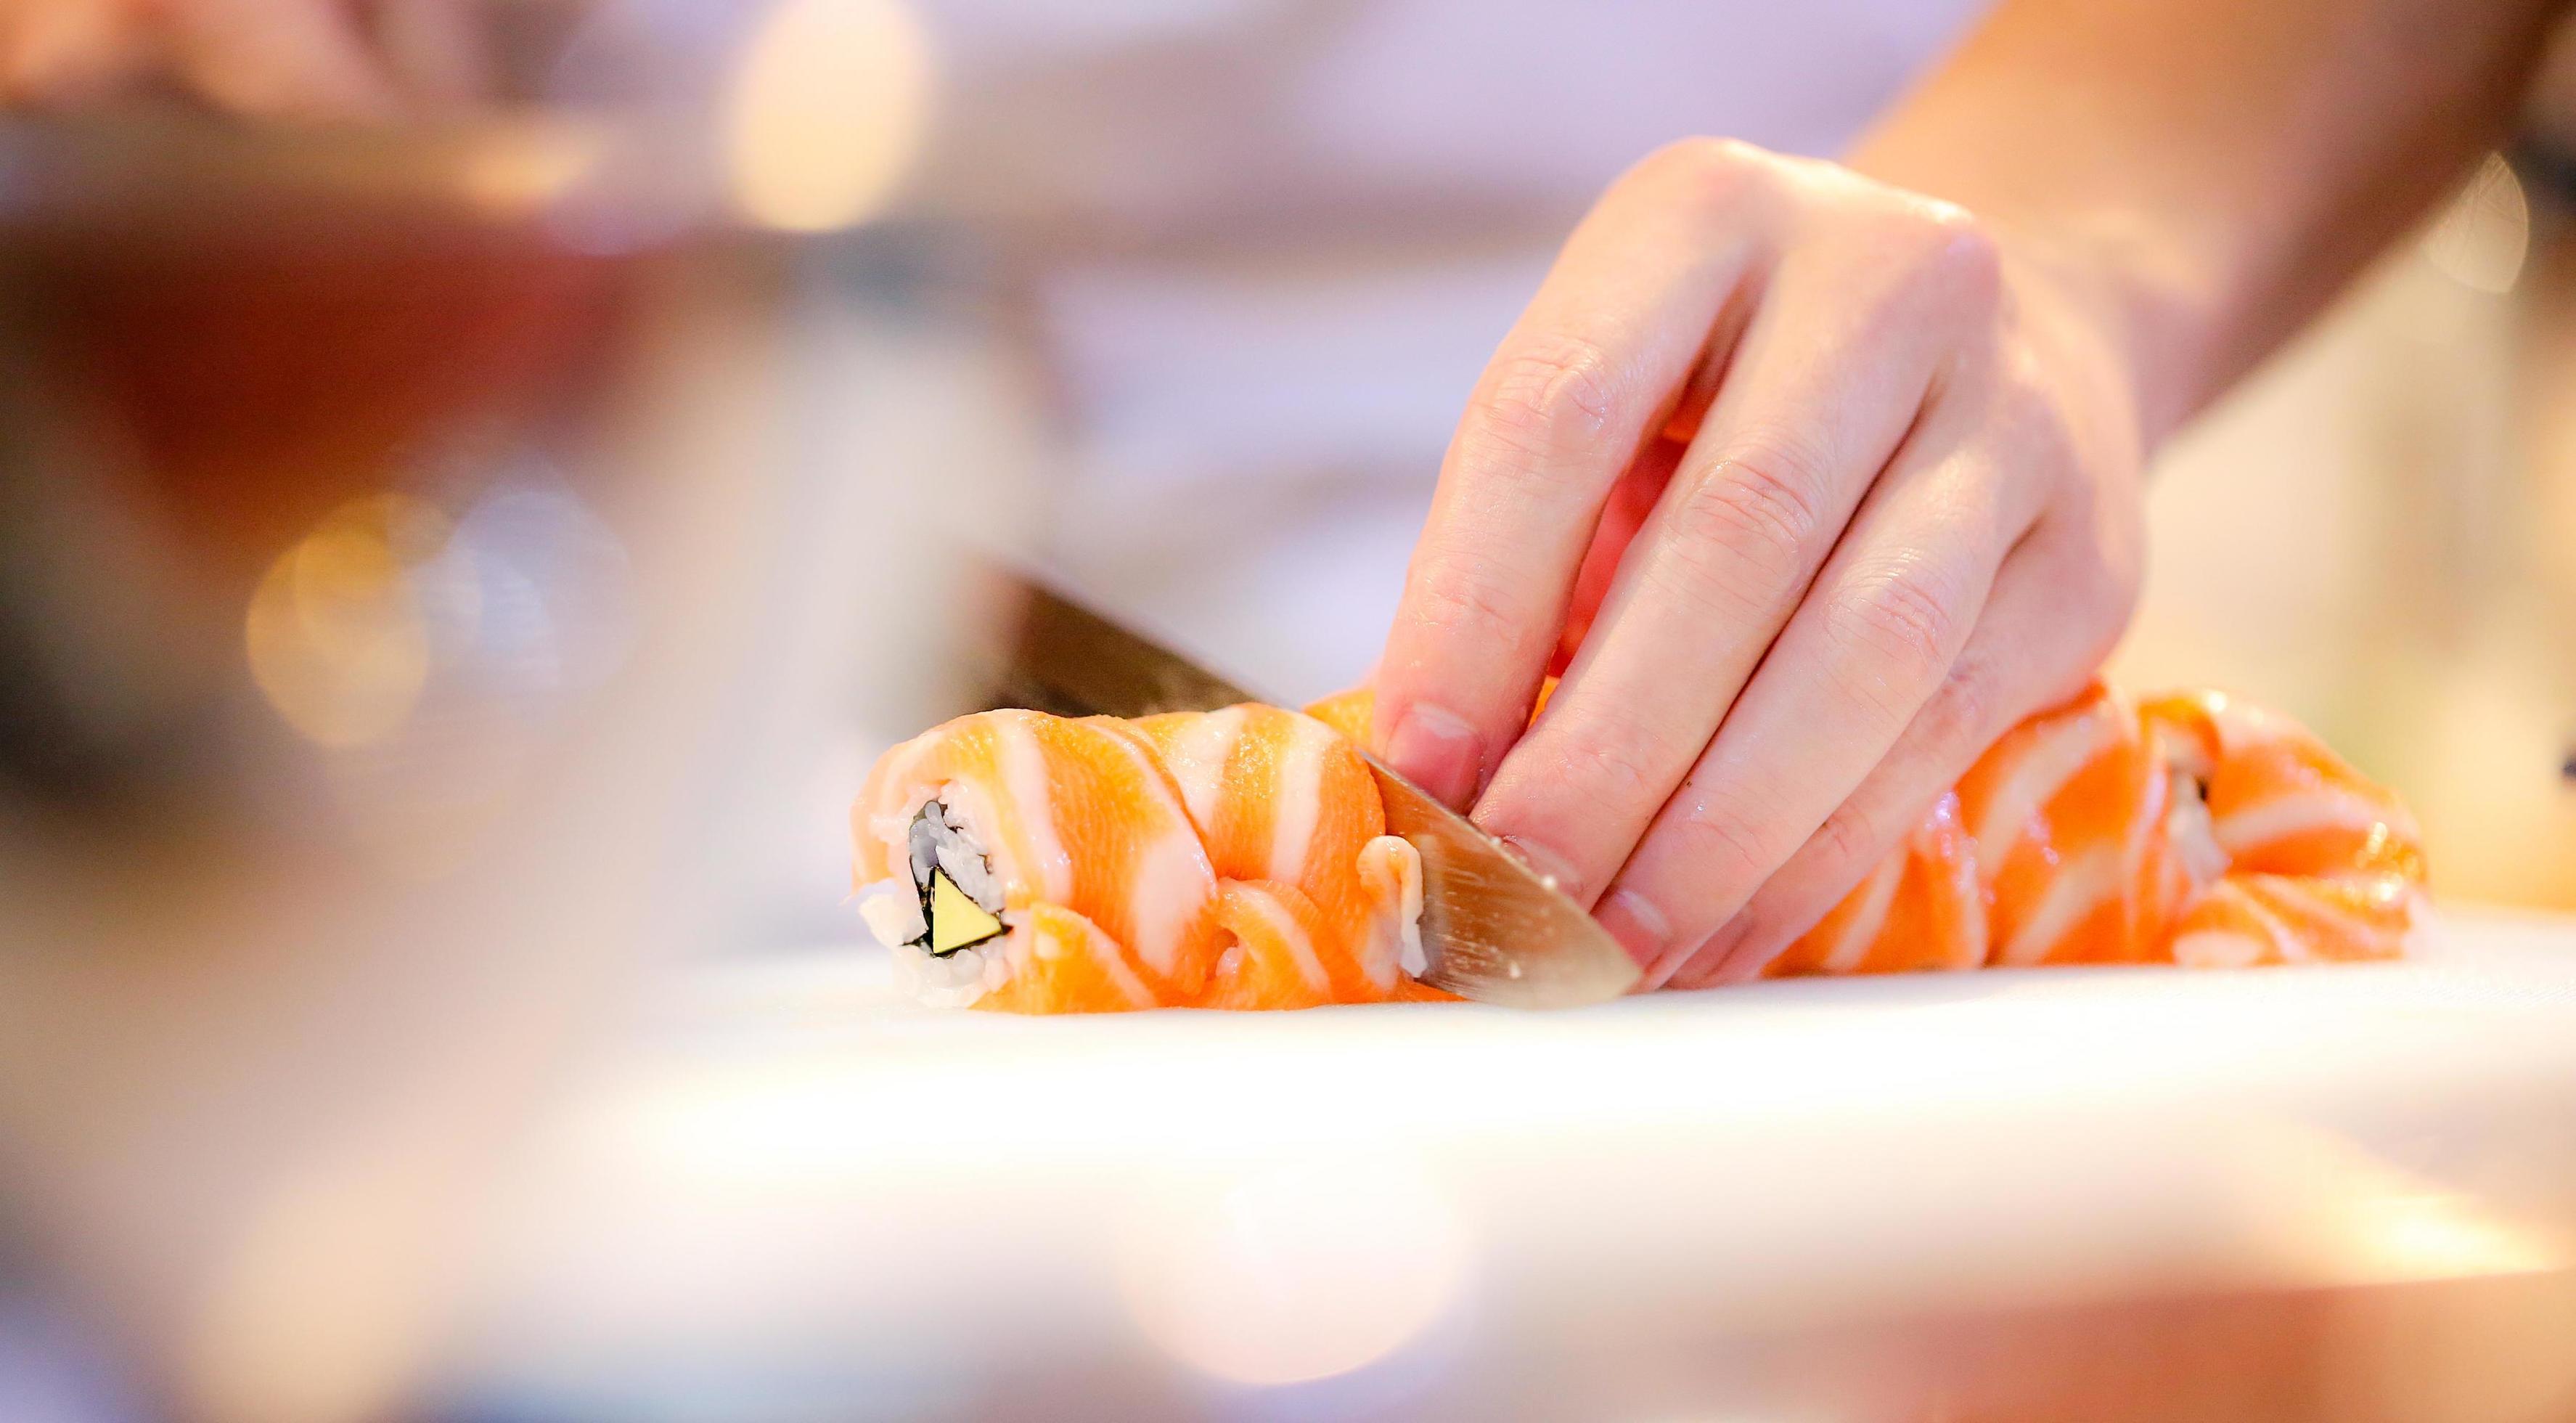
{"points": [[1814, 487], [1813, 480], [1238, 859]]}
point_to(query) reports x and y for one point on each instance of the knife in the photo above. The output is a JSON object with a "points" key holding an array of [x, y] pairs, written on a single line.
{"points": [[1492, 929]]}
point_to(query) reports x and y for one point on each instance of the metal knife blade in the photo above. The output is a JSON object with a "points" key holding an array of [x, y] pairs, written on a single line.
{"points": [[1492, 929]]}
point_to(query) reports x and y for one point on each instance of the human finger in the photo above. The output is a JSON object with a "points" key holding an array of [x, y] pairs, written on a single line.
{"points": [[1607, 347], [1826, 383], [1885, 623]]}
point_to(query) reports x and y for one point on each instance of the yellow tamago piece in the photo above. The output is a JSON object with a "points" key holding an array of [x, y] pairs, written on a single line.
{"points": [[955, 920]]}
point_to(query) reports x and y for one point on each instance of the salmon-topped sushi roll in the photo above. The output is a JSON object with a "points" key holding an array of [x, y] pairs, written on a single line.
{"points": [[1239, 858], [1236, 859], [963, 832]]}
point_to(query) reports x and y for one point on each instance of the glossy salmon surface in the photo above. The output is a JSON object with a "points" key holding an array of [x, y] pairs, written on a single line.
{"points": [[1227, 859], [1239, 858]]}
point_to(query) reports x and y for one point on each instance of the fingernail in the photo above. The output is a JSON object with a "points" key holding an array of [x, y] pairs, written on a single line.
{"points": [[1639, 927], [1553, 869], [1435, 748]]}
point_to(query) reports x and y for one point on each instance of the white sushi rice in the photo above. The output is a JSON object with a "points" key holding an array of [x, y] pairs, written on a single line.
{"points": [[935, 837], [956, 981], [892, 909]]}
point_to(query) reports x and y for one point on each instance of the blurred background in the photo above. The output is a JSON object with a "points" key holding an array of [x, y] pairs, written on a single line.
{"points": [[476, 483]]}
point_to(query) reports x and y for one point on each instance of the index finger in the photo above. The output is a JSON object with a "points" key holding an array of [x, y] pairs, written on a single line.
{"points": [[1627, 314]]}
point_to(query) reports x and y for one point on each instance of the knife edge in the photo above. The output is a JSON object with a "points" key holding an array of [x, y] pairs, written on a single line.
{"points": [[1492, 929]]}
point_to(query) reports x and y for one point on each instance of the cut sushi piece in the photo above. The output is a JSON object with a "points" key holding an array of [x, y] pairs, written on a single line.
{"points": [[1232, 859], [1021, 810], [1282, 798]]}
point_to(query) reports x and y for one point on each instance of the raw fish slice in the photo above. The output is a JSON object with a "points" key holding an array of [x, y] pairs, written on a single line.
{"points": [[1060, 962], [2256, 918], [1275, 796], [1922, 908], [1347, 712], [1277, 959], [2068, 814]]}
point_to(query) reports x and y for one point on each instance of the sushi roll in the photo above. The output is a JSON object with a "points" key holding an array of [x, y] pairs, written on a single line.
{"points": [[1020, 862], [965, 833]]}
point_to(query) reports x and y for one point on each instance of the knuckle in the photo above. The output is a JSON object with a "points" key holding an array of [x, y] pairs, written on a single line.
{"points": [[1964, 714], [1467, 608], [1557, 391], [1848, 837], [1901, 619], [1943, 258], [2103, 587], [1613, 766], [1963, 254], [1712, 169], [1759, 505], [2123, 583], [1721, 842]]}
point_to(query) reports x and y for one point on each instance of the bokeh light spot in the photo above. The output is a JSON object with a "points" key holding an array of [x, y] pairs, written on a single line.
{"points": [[826, 111], [1294, 1271], [336, 637]]}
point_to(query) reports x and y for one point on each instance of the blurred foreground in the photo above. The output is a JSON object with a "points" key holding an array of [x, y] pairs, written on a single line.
{"points": [[454, 573]]}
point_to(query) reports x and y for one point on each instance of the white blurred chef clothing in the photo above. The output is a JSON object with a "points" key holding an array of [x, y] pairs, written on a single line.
{"points": [[1270, 243]]}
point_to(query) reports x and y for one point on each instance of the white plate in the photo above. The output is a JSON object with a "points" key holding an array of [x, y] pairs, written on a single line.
{"points": [[797, 1197]]}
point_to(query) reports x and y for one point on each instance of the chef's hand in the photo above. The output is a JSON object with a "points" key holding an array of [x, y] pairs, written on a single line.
{"points": [[1823, 485], [301, 59]]}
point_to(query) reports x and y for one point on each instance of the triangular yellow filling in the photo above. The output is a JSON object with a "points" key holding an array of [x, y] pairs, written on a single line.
{"points": [[955, 920]]}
